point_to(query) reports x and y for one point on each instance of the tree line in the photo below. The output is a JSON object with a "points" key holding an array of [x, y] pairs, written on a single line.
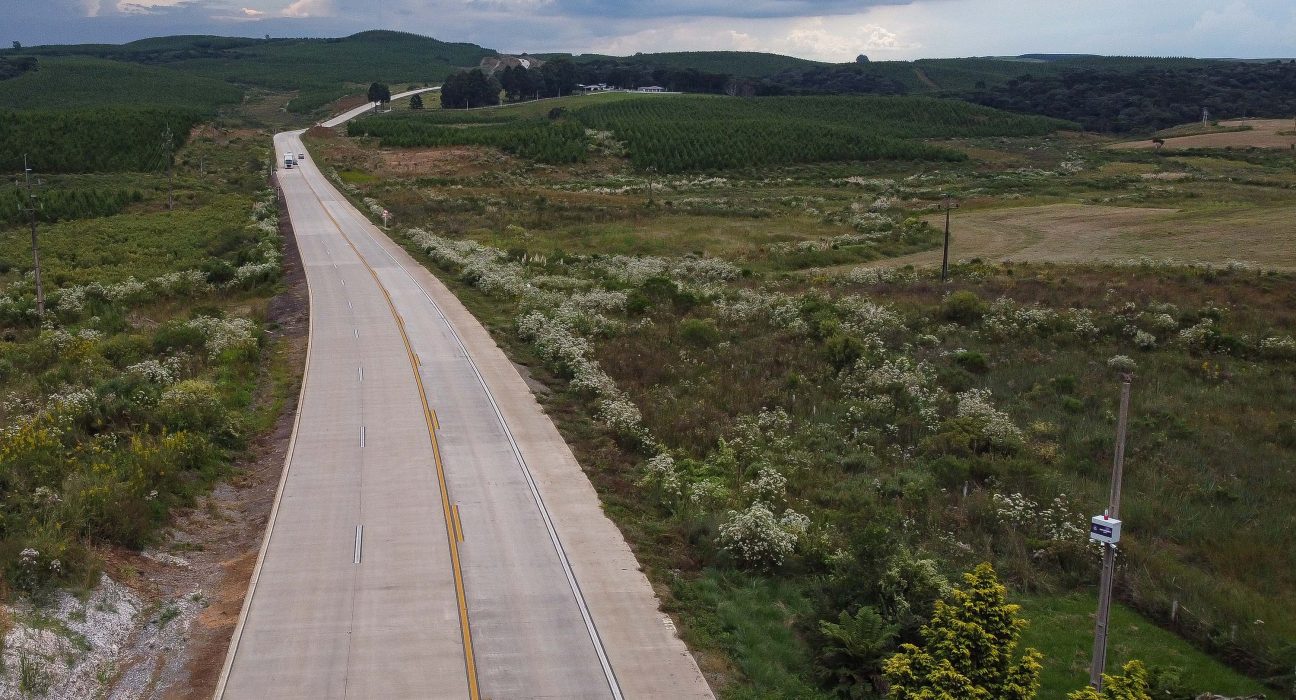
{"points": [[1151, 98], [115, 139]]}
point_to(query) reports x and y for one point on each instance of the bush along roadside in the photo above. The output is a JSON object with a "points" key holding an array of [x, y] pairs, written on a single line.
{"points": [[872, 431], [124, 401]]}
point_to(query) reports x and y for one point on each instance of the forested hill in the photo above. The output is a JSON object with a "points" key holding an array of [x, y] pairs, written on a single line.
{"points": [[1102, 93], [1151, 98]]}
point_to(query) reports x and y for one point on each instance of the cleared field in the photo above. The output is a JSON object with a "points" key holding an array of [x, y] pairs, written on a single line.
{"points": [[1263, 133], [1076, 233]]}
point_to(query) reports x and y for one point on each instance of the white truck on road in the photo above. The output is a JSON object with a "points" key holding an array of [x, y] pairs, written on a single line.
{"points": [[289, 160]]}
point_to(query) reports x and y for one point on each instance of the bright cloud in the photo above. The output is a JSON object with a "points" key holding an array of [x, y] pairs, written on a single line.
{"points": [[307, 8]]}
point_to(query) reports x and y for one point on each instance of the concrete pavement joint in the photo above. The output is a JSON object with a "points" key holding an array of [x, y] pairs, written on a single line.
{"points": [[465, 629], [588, 618]]}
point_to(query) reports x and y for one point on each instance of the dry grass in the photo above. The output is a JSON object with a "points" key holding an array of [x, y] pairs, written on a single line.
{"points": [[1076, 233], [1263, 133]]}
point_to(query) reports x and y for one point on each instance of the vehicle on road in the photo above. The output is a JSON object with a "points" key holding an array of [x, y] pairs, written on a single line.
{"points": [[289, 161]]}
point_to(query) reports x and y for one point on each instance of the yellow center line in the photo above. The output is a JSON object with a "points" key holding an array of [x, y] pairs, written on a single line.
{"points": [[454, 534], [458, 521]]}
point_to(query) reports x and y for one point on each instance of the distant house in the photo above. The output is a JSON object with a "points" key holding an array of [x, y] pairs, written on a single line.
{"points": [[601, 87], [652, 88]]}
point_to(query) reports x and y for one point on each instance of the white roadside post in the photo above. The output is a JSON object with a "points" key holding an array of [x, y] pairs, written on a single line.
{"points": [[386, 216]]}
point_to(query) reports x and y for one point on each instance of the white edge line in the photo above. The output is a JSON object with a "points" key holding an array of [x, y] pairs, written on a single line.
{"points": [[590, 627], [283, 480]]}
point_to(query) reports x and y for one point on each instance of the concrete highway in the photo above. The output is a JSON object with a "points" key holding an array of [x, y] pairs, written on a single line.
{"points": [[433, 536]]}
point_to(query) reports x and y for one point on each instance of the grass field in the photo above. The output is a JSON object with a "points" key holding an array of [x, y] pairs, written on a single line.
{"points": [[1076, 233], [1062, 628], [1238, 133]]}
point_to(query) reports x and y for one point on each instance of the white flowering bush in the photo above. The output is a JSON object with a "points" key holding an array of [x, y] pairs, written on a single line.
{"points": [[158, 372], [1122, 363], [1008, 319], [1200, 336], [221, 335], [769, 486], [1278, 347], [908, 383], [877, 275], [991, 425], [1057, 522], [756, 538], [661, 475]]}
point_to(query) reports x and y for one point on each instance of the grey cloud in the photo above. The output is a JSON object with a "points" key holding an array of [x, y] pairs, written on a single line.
{"points": [[753, 9]]}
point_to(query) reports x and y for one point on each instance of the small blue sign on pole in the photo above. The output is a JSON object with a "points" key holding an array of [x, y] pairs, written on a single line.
{"points": [[1104, 529]]}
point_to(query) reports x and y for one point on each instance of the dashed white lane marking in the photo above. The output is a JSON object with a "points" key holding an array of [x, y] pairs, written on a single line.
{"points": [[360, 371], [359, 542], [362, 436], [356, 333]]}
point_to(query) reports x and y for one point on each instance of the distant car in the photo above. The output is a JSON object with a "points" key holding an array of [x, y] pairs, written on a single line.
{"points": [[301, 156]]}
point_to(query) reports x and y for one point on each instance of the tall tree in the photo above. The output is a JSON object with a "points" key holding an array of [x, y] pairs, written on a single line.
{"points": [[469, 89], [416, 102], [559, 77], [379, 92], [969, 649]]}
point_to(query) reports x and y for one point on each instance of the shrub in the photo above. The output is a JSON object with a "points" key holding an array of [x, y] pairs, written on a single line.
{"points": [[971, 361], [1131, 685], [854, 649], [843, 350], [756, 538], [969, 649], [963, 307], [192, 404], [699, 332]]}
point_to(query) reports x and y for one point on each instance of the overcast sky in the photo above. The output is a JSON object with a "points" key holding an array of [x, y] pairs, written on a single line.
{"points": [[831, 30]]}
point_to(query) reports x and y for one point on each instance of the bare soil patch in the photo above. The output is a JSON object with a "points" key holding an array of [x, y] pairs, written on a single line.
{"points": [[1076, 233], [449, 161], [1263, 133]]}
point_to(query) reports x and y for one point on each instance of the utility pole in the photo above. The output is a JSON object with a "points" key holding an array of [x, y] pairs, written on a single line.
{"points": [[168, 145], [1106, 528], [948, 203], [31, 217]]}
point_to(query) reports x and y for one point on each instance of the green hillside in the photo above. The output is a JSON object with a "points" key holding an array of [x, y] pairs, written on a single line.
{"points": [[746, 64], [291, 63], [322, 69], [82, 81]]}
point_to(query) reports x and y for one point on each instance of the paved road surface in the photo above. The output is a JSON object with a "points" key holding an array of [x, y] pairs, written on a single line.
{"points": [[352, 114], [433, 535]]}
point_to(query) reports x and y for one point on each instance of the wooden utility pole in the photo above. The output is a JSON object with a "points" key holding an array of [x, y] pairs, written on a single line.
{"points": [[31, 217], [1109, 549], [948, 203]]}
